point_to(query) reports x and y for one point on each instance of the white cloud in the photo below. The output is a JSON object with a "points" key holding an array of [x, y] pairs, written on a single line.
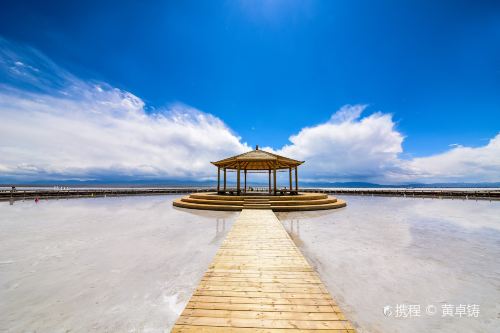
{"points": [[55, 125], [108, 132], [459, 164], [88, 129], [351, 147], [348, 147]]}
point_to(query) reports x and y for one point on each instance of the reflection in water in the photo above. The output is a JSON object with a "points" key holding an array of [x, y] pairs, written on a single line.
{"points": [[220, 225], [220, 230], [383, 251], [292, 226], [122, 264]]}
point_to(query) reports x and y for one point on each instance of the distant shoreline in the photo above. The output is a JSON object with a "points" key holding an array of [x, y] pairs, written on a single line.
{"points": [[126, 184], [25, 192]]}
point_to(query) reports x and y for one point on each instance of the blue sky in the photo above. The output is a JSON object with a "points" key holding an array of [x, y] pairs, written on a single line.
{"points": [[270, 69]]}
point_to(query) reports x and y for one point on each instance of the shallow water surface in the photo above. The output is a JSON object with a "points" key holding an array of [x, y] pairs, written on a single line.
{"points": [[126, 264], [381, 252]]}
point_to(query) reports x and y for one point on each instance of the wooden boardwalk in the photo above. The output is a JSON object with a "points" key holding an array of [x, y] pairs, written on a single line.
{"points": [[260, 282]]}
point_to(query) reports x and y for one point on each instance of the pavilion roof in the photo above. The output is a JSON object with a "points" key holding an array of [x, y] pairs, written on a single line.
{"points": [[257, 160]]}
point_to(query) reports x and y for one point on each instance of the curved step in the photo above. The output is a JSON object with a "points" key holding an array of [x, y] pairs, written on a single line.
{"points": [[335, 205], [195, 202], [212, 202], [303, 202], [182, 204], [260, 201], [300, 196]]}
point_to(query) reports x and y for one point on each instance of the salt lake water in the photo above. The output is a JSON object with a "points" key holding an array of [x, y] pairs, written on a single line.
{"points": [[130, 264], [126, 264], [432, 254]]}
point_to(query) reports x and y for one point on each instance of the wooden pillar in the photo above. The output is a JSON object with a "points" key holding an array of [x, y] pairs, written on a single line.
{"points": [[290, 177], [224, 179], [238, 181], [274, 180], [296, 180], [218, 179], [245, 190], [269, 181]]}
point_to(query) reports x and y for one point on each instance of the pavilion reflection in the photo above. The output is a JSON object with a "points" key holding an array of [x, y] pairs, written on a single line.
{"points": [[220, 230], [292, 226], [219, 217]]}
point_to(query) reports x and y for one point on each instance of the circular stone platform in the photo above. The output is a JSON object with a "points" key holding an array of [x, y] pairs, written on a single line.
{"points": [[278, 203]]}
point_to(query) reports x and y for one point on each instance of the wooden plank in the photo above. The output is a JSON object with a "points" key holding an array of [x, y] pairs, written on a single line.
{"points": [[263, 300], [260, 282], [259, 288], [258, 294], [213, 329], [264, 307], [262, 275], [328, 316], [262, 323]]}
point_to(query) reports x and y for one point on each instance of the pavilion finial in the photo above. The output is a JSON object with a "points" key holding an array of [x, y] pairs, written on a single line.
{"points": [[256, 147]]}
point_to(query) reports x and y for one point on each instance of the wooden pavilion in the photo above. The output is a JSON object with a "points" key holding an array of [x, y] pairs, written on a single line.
{"points": [[257, 161]]}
